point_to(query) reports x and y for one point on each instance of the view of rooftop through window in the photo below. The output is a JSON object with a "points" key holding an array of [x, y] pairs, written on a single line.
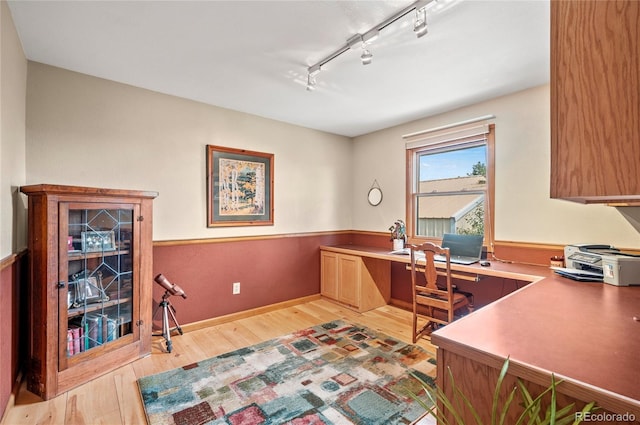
{"points": [[452, 191]]}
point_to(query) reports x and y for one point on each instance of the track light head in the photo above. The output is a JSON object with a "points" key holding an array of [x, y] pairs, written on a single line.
{"points": [[311, 83], [366, 57], [420, 23], [311, 77]]}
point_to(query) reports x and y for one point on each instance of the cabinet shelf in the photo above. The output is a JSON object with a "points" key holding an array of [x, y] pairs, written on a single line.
{"points": [[81, 255], [89, 308]]}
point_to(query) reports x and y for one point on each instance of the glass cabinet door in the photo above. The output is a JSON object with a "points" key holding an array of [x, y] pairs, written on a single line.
{"points": [[97, 278]]}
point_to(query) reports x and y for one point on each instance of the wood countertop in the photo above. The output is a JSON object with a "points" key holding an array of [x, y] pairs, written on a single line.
{"points": [[524, 272]]}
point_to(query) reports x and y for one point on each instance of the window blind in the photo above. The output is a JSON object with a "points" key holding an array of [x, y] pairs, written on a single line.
{"points": [[464, 130]]}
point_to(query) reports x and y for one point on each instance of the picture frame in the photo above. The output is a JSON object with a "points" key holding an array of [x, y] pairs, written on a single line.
{"points": [[85, 290], [239, 187], [98, 241]]}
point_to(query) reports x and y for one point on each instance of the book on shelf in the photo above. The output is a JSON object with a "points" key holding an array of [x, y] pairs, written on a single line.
{"points": [[112, 329], [69, 343], [93, 330], [75, 340], [100, 329]]}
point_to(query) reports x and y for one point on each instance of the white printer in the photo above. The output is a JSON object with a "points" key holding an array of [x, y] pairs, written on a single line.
{"points": [[602, 261], [621, 269]]}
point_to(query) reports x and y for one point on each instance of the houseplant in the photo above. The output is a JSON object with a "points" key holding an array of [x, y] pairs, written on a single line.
{"points": [[398, 234], [531, 410]]}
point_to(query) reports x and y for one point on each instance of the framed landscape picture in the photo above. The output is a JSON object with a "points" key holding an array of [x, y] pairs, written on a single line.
{"points": [[239, 187]]}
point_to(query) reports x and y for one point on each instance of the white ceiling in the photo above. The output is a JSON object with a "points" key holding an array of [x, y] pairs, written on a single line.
{"points": [[252, 56]]}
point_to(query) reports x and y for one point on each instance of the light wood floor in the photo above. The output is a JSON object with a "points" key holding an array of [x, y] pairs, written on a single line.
{"points": [[113, 399]]}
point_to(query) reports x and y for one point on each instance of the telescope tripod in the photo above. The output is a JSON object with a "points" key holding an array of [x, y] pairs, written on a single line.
{"points": [[168, 310]]}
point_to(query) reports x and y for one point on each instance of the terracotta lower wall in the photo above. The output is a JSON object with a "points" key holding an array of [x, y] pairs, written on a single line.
{"points": [[282, 268], [12, 334], [270, 270]]}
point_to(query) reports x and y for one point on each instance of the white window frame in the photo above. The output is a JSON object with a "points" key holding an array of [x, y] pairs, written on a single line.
{"points": [[475, 132]]}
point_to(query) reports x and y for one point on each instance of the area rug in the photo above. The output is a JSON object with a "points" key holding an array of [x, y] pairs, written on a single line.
{"points": [[335, 373]]}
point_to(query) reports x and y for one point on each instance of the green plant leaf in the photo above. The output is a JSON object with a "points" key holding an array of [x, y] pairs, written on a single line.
{"points": [[450, 407], [496, 392], [507, 405], [532, 406], [554, 400], [590, 407]]}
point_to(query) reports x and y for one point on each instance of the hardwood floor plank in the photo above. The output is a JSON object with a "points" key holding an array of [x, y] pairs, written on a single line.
{"points": [[212, 342], [95, 402], [239, 335], [114, 398], [29, 409]]}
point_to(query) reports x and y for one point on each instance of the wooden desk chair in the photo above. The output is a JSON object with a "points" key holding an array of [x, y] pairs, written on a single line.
{"points": [[443, 300]]}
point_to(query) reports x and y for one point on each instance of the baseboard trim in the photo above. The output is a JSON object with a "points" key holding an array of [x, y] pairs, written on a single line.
{"points": [[247, 313]]}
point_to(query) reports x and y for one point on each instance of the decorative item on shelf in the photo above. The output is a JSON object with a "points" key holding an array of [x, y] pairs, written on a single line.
{"points": [[85, 289], [98, 241], [398, 234], [556, 261]]}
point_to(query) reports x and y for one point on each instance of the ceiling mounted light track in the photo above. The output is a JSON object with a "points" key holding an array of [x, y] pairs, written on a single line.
{"points": [[362, 40]]}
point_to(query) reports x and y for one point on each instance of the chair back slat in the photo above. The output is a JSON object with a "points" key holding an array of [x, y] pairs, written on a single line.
{"points": [[428, 294]]}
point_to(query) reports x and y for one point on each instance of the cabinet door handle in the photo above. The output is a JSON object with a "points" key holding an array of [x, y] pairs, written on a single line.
{"points": [[62, 284]]}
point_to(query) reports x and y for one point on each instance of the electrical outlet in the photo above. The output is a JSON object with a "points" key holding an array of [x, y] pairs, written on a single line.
{"points": [[236, 288]]}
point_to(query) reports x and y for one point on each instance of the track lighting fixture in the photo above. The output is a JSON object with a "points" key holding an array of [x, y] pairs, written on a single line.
{"points": [[366, 57], [311, 77], [311, 82], [363, 40], [420, 23]]}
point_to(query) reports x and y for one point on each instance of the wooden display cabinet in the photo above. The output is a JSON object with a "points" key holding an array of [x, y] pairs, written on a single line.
{"points": [[360, 283], [90, 264]]}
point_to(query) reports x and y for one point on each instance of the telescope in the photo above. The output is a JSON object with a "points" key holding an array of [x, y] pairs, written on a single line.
{"points": [[167, 309], [171, 288]]}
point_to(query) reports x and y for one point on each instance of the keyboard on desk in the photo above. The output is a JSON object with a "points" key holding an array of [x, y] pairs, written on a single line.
{"points": [[457, 259]]}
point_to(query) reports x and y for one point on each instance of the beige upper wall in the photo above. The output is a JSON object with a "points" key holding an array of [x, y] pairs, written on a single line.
{"points": [[524, 210], [87, 131], [13, 84]]}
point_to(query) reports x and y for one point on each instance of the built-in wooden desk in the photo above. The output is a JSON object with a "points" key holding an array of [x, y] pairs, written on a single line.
{"points": [[524, 272], [583, 333]]}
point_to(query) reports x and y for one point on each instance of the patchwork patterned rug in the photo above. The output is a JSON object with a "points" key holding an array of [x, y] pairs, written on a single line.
{"points": [[335, 373]]}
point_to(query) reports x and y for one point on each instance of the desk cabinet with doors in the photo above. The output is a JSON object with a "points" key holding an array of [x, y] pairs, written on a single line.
{"points": [[90, 264], [361, 283]]}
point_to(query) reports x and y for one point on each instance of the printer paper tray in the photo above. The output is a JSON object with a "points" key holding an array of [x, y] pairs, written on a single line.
{"points": [[580, 275]]}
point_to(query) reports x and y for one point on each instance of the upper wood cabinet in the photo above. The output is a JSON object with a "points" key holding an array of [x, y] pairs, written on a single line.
{"points": [[595, 101]]}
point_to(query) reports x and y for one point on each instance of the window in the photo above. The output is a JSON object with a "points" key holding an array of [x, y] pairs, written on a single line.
{"points": [[450, 181]]}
